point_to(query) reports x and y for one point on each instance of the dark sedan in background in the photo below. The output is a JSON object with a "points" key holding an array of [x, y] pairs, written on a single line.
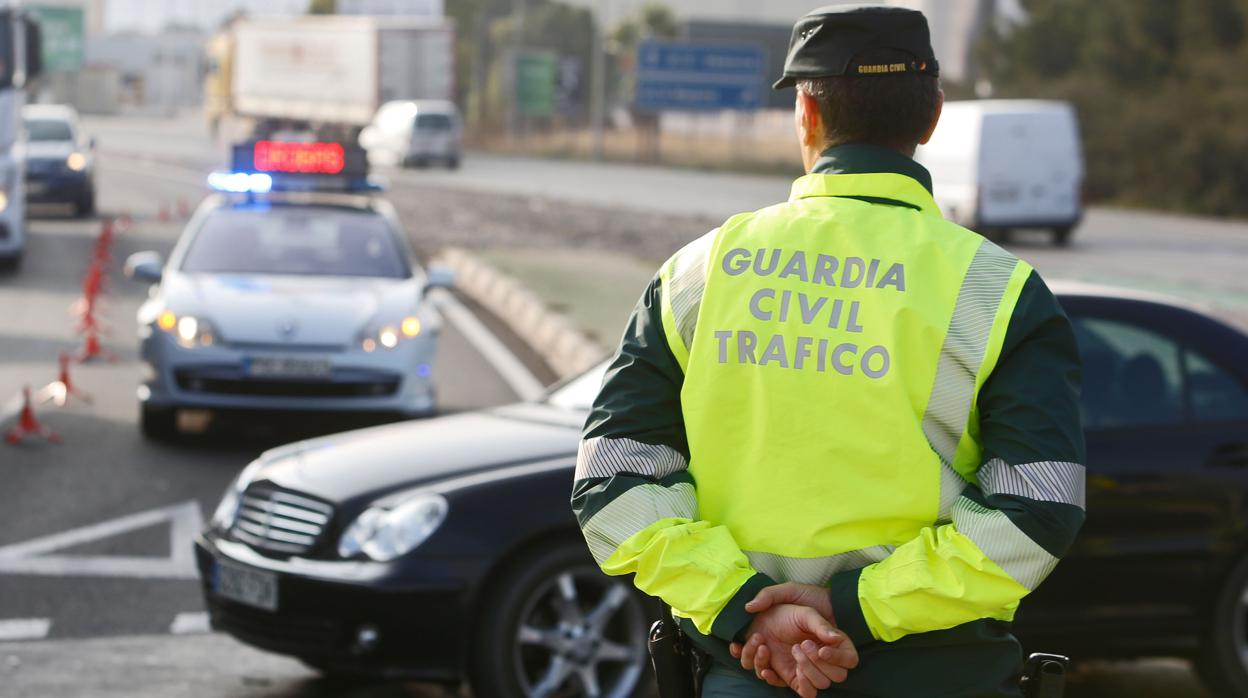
{"points": [[446, 549], [60, 159]]}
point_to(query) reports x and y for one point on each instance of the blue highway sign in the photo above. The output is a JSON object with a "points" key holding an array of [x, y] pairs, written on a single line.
{"points": [[699, 76]]}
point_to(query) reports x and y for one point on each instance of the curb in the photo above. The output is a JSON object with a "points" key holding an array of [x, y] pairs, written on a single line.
{"points": [[551, 334]]}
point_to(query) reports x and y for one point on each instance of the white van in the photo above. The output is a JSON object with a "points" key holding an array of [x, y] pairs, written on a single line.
{"points": [[1003, 164], [414, 133]]}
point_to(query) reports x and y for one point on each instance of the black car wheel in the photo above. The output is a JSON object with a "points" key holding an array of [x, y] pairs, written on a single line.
{"points": [[1061, 235], [1223, 663], [556, 627]]}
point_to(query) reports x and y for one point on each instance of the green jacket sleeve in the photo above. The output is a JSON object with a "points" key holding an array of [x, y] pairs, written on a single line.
{"points": [[635, 499], [1008, 530]]}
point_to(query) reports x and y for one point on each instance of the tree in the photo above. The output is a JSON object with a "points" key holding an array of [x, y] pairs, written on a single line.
{"points": [[1159, 87]]}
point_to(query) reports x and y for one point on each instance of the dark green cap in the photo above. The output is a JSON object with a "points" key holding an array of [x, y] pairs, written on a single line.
{"points": [[858, 40]]}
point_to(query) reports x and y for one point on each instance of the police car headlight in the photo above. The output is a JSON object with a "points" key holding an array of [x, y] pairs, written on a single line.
{"points": [[386, 533], [390, 335], [190, 331]]}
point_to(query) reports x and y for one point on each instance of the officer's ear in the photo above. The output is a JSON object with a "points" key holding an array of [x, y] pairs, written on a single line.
{"points": [[940, 104], [809, 119]]}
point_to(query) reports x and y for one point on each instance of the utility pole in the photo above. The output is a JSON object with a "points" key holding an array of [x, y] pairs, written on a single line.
{"points": [[598, 85], [517, 48]]}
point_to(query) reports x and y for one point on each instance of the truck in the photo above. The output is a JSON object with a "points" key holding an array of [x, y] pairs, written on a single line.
{"points": [[319, 71], [20, 62]]}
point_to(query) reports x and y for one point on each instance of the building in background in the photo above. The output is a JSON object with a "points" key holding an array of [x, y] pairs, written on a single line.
{"points": [[392, 8]]}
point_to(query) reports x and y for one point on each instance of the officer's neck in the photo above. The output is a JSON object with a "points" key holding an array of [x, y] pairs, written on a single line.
{"points": [[812, 154]]}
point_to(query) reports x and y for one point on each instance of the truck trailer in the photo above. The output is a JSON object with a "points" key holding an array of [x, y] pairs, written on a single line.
{"points": [[326, 71]]}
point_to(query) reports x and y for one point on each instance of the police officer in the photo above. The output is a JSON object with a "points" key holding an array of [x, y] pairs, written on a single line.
{"points": [[844, 409]]}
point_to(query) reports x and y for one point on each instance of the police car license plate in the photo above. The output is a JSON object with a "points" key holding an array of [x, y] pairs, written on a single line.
{"points": [[250, 587], [287, 367]]}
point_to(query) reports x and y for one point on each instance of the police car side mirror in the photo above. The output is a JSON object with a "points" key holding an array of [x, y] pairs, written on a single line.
{"points": [[144, 266], [438, 276]]}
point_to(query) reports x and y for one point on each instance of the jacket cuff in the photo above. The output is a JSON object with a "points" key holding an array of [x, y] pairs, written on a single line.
{"points": [[732, 622], [848, 609]]}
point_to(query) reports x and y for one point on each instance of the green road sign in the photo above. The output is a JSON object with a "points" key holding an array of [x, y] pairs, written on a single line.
{"points": [[64, 39], [535, 82]]}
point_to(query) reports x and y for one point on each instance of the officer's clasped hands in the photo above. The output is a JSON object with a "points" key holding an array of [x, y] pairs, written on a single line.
{"points": [[793, 640]]}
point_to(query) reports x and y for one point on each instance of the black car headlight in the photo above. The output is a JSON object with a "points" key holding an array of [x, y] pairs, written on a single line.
{"points": [[389, 532]]}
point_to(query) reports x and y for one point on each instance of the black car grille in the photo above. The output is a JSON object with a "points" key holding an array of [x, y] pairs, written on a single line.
{"points": [[195, 382], [280, 521]]}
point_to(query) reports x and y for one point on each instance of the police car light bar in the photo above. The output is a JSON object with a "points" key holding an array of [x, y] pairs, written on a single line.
{"points": [[298, 158], [241, 182], [265, 166]]}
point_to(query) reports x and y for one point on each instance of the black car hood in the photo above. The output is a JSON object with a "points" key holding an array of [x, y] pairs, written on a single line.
{"points": [[370, 463]]}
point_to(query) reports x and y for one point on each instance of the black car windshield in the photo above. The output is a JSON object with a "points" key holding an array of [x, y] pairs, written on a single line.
{"points": [[48, 130], [315, 240], [579, 393]]}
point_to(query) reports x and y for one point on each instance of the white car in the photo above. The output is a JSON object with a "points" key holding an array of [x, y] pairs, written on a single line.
{"points": [[287, 303], [414, 133]]}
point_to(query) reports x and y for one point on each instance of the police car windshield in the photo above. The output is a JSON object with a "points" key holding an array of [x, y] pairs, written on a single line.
{"points": [[48, 130], [312, 240]]}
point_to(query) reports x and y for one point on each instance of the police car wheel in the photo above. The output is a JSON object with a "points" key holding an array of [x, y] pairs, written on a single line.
{"points": [[1223, 660], [158, 424], [11, 262], [554, 626]]}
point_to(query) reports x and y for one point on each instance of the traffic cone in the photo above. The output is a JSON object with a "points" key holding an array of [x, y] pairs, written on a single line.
{"points": [[92, 349], [28, 424], [184, 209], [162, 214], [60, 390], [124, 221]]}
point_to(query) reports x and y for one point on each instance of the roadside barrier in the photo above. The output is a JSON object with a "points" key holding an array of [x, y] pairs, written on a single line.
{"points": [[59, 391], [95, 284], [28, 425]]}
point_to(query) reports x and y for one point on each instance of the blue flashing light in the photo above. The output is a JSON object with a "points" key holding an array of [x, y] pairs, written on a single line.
{"points": [[241, 182]]}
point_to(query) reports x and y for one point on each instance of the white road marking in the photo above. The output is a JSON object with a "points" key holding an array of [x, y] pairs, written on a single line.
{"points": [[509, 368], [24, 628], [29, 557], [190, 623]]}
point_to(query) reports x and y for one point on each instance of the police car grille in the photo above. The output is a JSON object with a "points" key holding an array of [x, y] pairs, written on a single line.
{"points": [[280, 521]]}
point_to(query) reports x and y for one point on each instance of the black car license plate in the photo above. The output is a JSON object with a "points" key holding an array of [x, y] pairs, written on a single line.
{"points": [[247, 586]]}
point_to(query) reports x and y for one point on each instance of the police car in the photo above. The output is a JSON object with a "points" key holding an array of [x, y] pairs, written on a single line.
{"points": [[292, 288]]}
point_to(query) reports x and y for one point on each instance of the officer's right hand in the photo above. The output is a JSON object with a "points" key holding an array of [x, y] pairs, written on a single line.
{"points": [[813, 595], [795, 646]]}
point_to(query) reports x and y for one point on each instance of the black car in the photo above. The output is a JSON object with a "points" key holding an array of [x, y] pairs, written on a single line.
{"points": [[446, 549]]}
